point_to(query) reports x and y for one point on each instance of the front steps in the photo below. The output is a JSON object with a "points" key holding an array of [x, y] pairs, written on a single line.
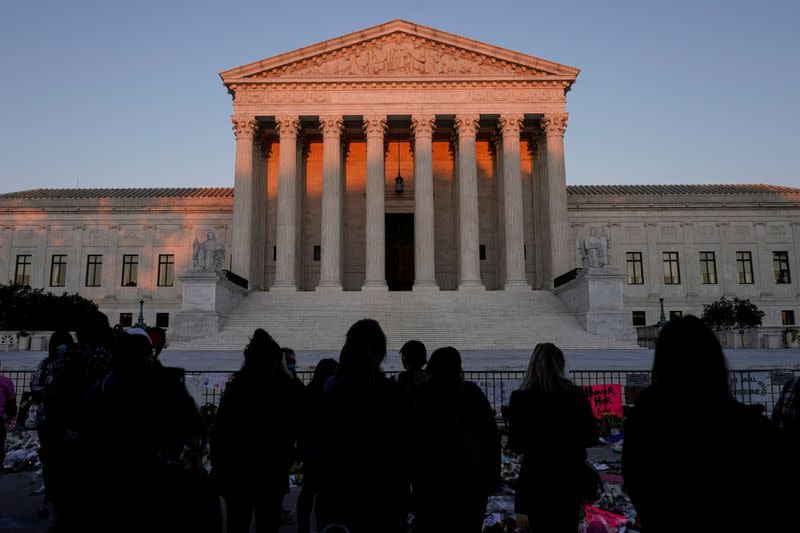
{"points": [[486, 320]]}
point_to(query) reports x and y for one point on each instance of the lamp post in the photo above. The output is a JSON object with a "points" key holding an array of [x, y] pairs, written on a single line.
{"points": [[140, 321], [663, 318]]}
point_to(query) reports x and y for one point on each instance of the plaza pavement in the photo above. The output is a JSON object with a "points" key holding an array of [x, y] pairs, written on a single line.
{"points": [[636, 359]]}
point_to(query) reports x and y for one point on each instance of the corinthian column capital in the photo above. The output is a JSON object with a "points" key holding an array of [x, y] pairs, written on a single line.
{"points": [[467, 124], [554, 123], [374, 125], [244, 126], [423, 125], [510, 123], [331, 125], [287, 125]]}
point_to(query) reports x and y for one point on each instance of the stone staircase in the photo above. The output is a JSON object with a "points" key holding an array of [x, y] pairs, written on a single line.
{"points": [[488, 320]]}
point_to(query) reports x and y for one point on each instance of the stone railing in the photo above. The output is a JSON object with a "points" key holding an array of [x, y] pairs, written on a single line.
{"points": [[11, 342]]}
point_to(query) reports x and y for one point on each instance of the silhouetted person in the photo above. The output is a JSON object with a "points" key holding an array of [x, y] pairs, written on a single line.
{"points": [[413, 356], [459, 462], [310, 452], [290, 360], [61, 343], [142, 435], [367, 432], [8, 410], [551, 424], [690, 445], [257, 424]]}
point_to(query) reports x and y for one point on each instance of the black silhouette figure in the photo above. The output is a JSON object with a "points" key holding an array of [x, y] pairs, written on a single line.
{"points": [[413, 356], [551, 424], [367, 433], [257, 423], [690, 446], [459, 458]]}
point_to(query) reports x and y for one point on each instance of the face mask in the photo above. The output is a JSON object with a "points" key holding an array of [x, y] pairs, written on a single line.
{"points": [[292, 367], [61, 349]]}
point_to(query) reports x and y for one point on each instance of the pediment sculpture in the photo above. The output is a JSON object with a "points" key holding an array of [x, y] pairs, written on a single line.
{"points": [[399, 54]]}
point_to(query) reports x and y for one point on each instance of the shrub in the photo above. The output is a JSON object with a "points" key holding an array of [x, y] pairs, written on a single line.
{"points": [[25, 309], [727, 314]]}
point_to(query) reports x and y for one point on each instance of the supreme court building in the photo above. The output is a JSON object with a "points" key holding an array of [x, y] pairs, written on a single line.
{"points": [[418, 177]]}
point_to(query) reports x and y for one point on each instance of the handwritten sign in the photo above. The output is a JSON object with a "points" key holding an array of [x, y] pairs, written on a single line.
{"points": [[605, 399]]}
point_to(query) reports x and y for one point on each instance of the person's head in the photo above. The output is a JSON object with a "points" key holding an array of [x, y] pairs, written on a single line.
{"points": [[546, 368], [60, 343], [364, 349], [325, 369], [689, 361], [132, 354], [93, 328], [262, 353], [444, 367], [414, 355], [290, 360]]}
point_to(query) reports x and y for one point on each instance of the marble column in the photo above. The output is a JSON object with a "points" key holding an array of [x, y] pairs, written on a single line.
{"points": [[331, 235], [469, 276], [424, 263], [561, 249], [510, 125], [374, 128], [541, 227], [260, 155], [244, 128], [285, 261]]}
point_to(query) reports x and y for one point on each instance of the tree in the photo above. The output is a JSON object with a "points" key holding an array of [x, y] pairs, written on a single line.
{"points": [[727, 314], [746, 314], [25, 309], [719, 315]]}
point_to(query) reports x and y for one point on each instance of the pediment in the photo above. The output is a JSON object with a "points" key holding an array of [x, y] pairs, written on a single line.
{"points": [[399, 50]]}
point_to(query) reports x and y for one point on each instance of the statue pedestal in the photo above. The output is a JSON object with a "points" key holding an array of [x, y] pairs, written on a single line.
{"points": [[595, 297], [207, 301]]}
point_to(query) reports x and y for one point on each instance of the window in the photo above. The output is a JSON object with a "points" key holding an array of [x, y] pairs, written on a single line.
{"points": [[166, 270], [708, 268], [317, 252], [130, 270], [787, 317], [126, 320], [672, 271], [744, 267], [633, 264], [162, 320], [482, 252], [94, 270], [22, 274], [58, 271], [639, 318], [675, 314], [780, 262]]}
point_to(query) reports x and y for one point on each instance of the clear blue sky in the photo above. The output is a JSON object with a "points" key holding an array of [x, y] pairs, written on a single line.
{"points": [[118, 94]]}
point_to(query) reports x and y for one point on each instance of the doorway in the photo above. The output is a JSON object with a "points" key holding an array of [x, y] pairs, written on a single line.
{"points": [[400, 251]]}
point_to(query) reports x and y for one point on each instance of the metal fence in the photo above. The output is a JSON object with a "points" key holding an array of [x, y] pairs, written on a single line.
{"points": [[754, 386]]}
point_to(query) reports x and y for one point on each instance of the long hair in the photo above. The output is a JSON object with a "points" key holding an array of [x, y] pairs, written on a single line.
{"points": [[444, 368], [689, 362], [262, 356], [61, 342], [363, 351], [546, 369]]}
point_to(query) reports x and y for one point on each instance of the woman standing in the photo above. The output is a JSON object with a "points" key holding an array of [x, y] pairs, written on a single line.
{"points": [[728, 466], [256, 426], [551, 425], [459, 464]]}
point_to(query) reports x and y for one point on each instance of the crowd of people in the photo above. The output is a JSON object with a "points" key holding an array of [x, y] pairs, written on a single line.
{"points": [[123, 443]]}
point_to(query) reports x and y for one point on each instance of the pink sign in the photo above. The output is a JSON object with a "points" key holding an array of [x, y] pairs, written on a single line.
{"points": [[610, 519], [605, 399]]}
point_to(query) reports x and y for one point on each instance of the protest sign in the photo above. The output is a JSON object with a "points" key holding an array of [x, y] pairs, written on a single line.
{"points": [[605, 399], [610, 519]]}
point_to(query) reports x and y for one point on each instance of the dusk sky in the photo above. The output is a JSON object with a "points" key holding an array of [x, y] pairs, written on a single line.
{"points": [[127, 94]]}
